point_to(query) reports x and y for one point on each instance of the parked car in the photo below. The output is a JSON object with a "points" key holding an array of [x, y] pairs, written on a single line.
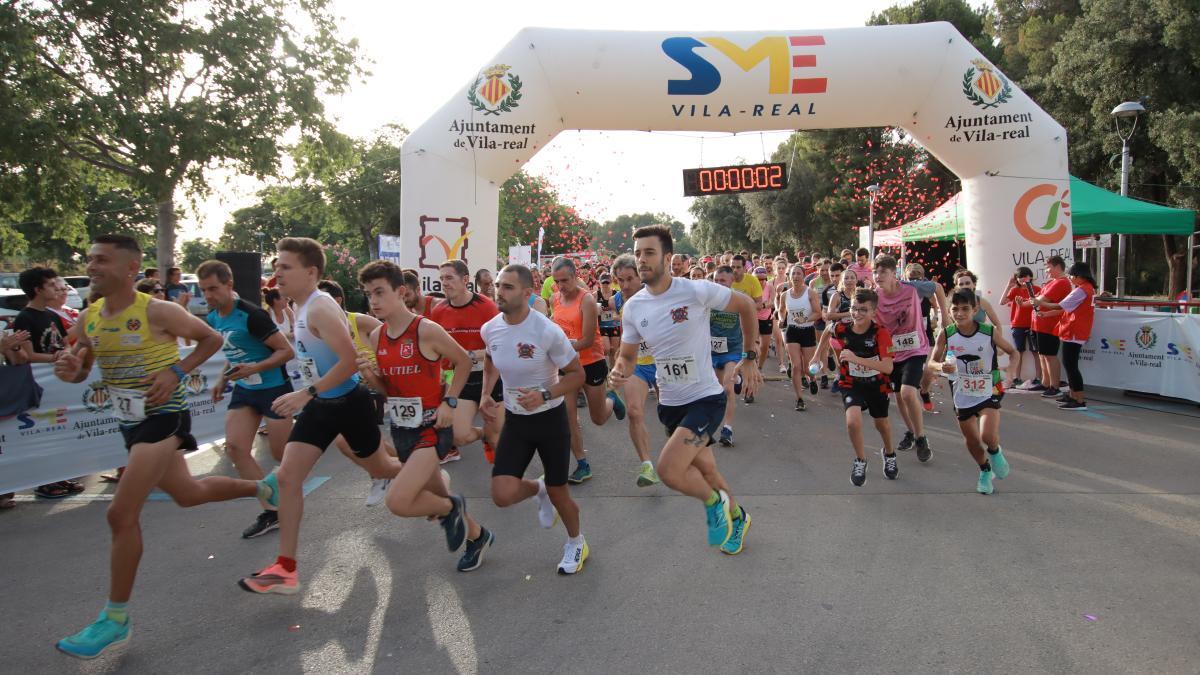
{"points": [[196, 304], [12, 301], [82, 287]]}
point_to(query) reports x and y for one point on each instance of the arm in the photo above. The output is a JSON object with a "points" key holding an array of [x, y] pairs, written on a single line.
{"points": [[943, 305], [937, 361], [1006, 296], [1007, 347], [328, 322], [991, 313], [487, 404], [623, 367], [747, 311], [74, 364], [173, 321], [814, 301], [369, 371], [881, 363], [589, 312], [539, 305], [446, 347], [263, 329]]}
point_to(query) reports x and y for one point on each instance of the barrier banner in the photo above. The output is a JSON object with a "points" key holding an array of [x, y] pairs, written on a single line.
{"points": [[73, 432], [1142, 351], [389, 248]]}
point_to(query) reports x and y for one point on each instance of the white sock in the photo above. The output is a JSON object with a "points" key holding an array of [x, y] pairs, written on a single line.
{"points": [[648, 463], [542, 489], [575, 541]]}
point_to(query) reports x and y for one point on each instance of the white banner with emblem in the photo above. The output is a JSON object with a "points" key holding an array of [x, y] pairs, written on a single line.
{"points": [[1141, 351], [74, 432]]}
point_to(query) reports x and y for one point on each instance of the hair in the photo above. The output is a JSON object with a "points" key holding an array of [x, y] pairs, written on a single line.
{"points": [[1056, 261], [147, 286], [331, 287], [382, 269], [837, 267], [171, 271], [524, 276], [845, 251], [624, 261], [710, 266], [883, 261], [862, 251], [271, 295], [214, 268], [121, 241], [662, 232], [460, 267], [915, 269], [481, 270], [1023, 271], [796, 266], [866, 295], [1083, 271], [723, 269], [413, 281], [740, 258], [963, 296], [308, 250], [965, 273], [33, 278], [563, 261], [151, 271]]}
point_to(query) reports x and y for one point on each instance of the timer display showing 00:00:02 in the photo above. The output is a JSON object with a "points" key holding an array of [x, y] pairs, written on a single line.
{"points": [[734, 179]]}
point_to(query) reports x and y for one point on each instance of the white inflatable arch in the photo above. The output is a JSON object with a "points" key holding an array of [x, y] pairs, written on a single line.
{"points": [[926, 79]]}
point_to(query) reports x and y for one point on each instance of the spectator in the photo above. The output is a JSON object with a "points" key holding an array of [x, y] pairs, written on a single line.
{"points": [[175, 288], [281, 313], [1073, 329], [152, 274]]}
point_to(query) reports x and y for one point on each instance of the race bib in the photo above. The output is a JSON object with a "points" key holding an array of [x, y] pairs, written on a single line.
{"points": [[512, 401], [904, 341], [252, 380], [677, 370], [859, 370], [128, 404], [720, 345], [405, 412], [976, 385], [608, 316], [477, 357], [308, 372], [643, 350], [797, 316]]}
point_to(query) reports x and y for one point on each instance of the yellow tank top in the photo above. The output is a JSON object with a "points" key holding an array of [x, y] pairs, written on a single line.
{"points": [[360, 345], [127, 352]]}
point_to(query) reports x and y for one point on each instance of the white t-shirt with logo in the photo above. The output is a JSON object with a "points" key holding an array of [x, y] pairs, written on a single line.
{"points": [[528, 355], [674, 325]]}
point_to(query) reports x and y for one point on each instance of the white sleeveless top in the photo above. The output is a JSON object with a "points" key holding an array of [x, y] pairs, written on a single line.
{"points": [[799, 310], [284, 326]]}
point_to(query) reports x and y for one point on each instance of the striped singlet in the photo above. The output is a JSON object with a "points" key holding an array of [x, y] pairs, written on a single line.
{"points": [[127, 352]]}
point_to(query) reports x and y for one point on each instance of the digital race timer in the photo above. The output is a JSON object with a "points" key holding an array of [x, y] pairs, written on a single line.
{"points": [[720, 180]]}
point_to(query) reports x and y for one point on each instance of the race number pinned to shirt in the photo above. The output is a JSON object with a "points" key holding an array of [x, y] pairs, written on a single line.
{"points": [[720, 345], [405, 412], [477, 357], [677, 370], [859, 370], [129, 404], [976, 385], [797, 317], [608, 316], [308, 372], [903, 342]]}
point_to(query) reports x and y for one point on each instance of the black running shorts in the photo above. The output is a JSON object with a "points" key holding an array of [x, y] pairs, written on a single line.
{"points": [[407, 440], [156, 428], [909, 371], [473, 389], [352, 416], [805, 337], [259, 400], [991, 403], [870, 399], [545, 433], [702, 416], [766, 326]]}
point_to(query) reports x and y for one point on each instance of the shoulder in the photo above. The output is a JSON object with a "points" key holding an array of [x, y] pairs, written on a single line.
{"points": [[985, 328], [952, 330]]}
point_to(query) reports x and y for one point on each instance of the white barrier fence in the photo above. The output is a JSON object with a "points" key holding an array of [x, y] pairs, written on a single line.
{"points": [[1141, 351]]}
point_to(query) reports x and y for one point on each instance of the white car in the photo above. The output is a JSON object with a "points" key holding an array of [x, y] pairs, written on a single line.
{"points": [[12, 301], [80, 288]]}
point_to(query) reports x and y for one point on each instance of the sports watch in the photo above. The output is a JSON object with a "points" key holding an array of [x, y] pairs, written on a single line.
{"points": [[312, 391], [451, 401], [545, 393], [750, 355]]}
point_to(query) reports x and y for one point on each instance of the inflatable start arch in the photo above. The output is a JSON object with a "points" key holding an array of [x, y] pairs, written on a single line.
{"points": [[926, 79]]}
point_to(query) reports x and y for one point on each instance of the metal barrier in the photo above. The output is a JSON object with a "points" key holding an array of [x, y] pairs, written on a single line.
{"points": [[1150, 304]]}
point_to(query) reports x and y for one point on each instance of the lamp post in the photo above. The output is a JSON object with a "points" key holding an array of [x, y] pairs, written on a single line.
{"points": [[872, 189], [1127, 111]]}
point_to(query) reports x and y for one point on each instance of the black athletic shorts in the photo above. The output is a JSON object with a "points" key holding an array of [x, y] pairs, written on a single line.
{"points": [[766, 326], [352, 415], [967, 413], [407, 440], [805, 337], [157, 428], [610, 331], [1047, 343], [909, 371], [1022, 337], [259, 399], [545, 433], [870, 399], [594, 374], [702, 416], [473, 389]]}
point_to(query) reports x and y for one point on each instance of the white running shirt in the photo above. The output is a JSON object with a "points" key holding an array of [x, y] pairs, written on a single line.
{"points": [[674, 325], [528, 355]]}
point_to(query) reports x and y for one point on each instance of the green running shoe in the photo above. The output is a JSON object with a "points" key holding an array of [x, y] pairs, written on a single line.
{"points": [[738, 540], [985, 483], [268, 492], [96, 639], [647, 475], [720, 529], [618, 404], [582, 472], [999, 463]]}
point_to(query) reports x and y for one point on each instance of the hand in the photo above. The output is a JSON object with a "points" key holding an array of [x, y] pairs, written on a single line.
{"points": [[162, 385], [949, 366], [218, 391], [240, 370], [617, 378], [445, 416], [530, 399], [290, 404], [812, 363], [367, 367], [846, 356], [14, 340], [488, 408], [67, 365], [751, 377]]}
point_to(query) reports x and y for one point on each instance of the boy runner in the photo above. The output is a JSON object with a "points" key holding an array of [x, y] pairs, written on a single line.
{"points": [[972, 365], [725, 336], [671, 316], [899, 311], [637, 389]]}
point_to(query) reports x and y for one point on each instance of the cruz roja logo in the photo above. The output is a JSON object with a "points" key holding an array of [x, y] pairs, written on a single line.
{"points": [[985, 86], [1052, 223], [442, 239], [492, 86]]}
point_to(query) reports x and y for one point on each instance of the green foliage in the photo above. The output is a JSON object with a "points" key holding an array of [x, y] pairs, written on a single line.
{"points": [[616, 235], [528, 203], [196, 251], [342, 265], [721, 223]]}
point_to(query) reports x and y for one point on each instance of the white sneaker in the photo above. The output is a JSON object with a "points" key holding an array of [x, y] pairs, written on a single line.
{"points": [[547, 514], [378, 491], [574, 555]]}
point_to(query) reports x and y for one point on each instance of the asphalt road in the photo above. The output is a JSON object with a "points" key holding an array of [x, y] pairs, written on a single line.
{"points": [[1085, 559]]}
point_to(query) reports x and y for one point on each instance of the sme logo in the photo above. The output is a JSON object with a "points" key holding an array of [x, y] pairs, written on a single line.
{"points": [[1112, 345], [788, 57]]}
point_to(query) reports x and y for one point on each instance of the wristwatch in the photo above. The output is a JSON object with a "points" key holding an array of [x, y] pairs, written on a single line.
{"points": [[312, 391], [750, 355], [179, 372], [545, 393], [451, 401]]}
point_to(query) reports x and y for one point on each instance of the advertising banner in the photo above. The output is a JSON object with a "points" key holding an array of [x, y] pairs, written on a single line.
{"points": [[520, 255], [389, 247], [1149, 352]]}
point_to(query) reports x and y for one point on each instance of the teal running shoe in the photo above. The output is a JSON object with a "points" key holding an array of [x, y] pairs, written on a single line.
{"points": [[269, 486], [96, 639], [720, 525], [738, 540], [999, 463], [618, 404], [985, 483], [582, 472]]}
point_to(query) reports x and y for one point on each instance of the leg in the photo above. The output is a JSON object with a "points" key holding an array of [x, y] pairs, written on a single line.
{"points": [[569, 400], [764, 346], [636, 391], [970, 432], [147, 464], [855, 430], [277, 435], [799, 368], [568, 510], [298, 461], [410, 496], [990, 428], [465, 432], [676, 464], [186, 491], [726, 376], [509, 490], [381, 464], [780, 346], [885, 433], [600, 406], [241, 427], [910, 407]]}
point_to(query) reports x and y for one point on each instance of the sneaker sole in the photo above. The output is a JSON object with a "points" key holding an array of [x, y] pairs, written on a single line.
{"points": [[272, 526], [745, 531], [278, 589], [645, 482], [726, 444], [115, 644], [578, 481], [578, 569], [479, 561]]}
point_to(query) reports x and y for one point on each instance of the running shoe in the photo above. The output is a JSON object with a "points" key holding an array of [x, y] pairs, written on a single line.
{"points": [[1017, 383], [618, 404], [99, 637], [824, 381], [1036, 387], [858, 473], [906, 443], [890, 468], [984, 486], [574, 555], [924, 453], [783, 369], [266, 521], [472, 556], [647, 476], [720, 529], [489, 453], [1063, 399], [999, 463], [737, 386], [727, 436], [455, 524], [268, 492], [737, 541], [547, 514], [789, 371], [273, 579], [582, 472], [580, 399], [812, 386], [1072, 405], [801, 405], [1051, 393], [453, 456], [926, 401], [749, 398], [378, 491]]}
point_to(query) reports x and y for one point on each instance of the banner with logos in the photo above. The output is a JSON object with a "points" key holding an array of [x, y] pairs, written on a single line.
{"points": [[1141, 351], [73, 432], [389, 248]]}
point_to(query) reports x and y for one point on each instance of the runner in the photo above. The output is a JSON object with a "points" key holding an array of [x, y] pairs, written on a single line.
{"points": [[930, 292], [409, 352], [899, 311], [967, 279], [257, 353], [978, 386], [750, 286], [1018, 293], [725, 334], [832, 313], [332, 402], [803, 308], [527, 352], [766, 316], [636, 389], [462, 315], [610, 324], [866, 362], [779, 284], [670, 315], [574, 310], [134, 339]]}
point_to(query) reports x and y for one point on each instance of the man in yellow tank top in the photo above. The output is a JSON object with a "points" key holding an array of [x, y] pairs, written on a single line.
{"points": [[134, 339]]}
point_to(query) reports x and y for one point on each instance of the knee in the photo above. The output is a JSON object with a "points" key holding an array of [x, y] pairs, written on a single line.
{"points": [[120, 520], [636, 414], [668, 474], [288, 480], [397, 505], [503, 497], [236, 451]]}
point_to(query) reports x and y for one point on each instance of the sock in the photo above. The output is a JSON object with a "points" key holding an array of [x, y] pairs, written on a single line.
{"points": [[986, 466], [890, 454], [737, 515], [117, 611], [286, 563], [713, 498], [994, 451], [262, 490], [575, 541]]}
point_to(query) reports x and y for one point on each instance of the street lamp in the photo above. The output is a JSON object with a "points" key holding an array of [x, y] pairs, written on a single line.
{"points": [[1128, 110], [872, 189]]}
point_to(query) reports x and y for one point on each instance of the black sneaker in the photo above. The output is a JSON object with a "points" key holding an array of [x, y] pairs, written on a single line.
{"points": [[906, 443], [266, 521], [923, 451], [1072, 404], [858, 474], [749, 398], [1064, 398], [824, 382], [890, 468], [812, 386], [800, 405], [1052, 393], [472, 556], [454, 523], [789, 371]]}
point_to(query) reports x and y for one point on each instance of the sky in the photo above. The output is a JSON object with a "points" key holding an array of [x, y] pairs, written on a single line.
{"points": [[421, 54]]}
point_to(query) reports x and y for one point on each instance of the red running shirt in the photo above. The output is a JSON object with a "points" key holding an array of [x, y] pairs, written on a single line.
{"points": [[406, 372], [1054, 291], [1020, 316]]}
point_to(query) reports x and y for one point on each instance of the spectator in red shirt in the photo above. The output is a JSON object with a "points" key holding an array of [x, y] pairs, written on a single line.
{"points": [[1016, 295], [1045, 323]]}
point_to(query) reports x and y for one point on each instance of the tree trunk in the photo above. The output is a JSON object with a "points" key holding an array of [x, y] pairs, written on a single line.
{"points": [[165, 228], [372, 243], [1176, 265]]}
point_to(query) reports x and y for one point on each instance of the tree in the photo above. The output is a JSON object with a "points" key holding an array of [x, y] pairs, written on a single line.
{"points": [[721, 223], [196, 251], [282, 211], [528, 203], [158, 91], [616, 235]]}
